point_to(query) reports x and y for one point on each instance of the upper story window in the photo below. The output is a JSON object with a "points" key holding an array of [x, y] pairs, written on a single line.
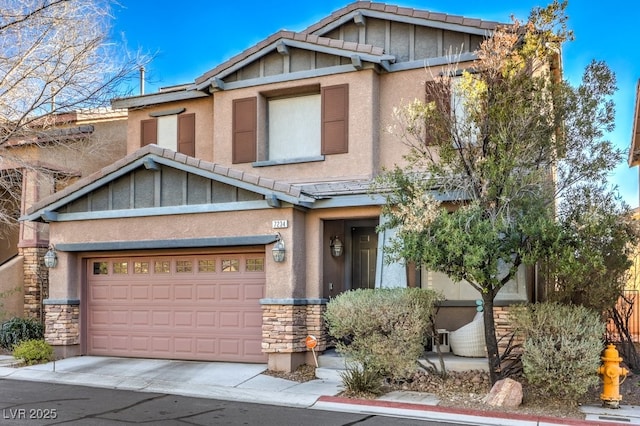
{"points": [[170, 129], [463, 108], [454, 101], [300, 125], [294, 127]]}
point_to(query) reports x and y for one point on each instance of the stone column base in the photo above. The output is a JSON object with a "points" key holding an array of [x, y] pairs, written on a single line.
{"points": [[286, 323], [35, 281], [62, 323], [504, 328]]}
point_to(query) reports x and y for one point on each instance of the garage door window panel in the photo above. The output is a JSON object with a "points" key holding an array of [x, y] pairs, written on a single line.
{"points": [[255, 265], [140, 267], [120, 268], [206, 265], [162, 267], [184, 266], [100, 268], [230, 265]]}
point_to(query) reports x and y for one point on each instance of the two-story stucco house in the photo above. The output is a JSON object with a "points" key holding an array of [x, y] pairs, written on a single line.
{"points": [[172, 251]]}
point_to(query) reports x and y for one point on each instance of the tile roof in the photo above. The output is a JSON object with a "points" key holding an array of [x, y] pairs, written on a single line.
{"points": [[337, 188], [308, 35], [402, 11], [291, 35], [154, 150]]}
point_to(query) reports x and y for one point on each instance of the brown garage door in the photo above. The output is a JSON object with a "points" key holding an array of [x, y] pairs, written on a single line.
{"points": [[198, 307]]}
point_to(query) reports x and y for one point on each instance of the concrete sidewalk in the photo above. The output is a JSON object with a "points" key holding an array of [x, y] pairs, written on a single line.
{"points": [[247, 383]]}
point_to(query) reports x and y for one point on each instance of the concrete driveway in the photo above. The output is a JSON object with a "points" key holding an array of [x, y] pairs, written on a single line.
{"points": [[229, 381]]}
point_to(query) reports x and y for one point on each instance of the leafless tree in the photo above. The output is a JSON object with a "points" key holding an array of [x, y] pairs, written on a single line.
{"points": [[56, 56]]}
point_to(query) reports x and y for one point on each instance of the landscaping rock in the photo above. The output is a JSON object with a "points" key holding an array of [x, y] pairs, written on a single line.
{"points": [[505, 393]]}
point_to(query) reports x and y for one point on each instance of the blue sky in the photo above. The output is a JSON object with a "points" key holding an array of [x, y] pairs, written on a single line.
{"points": [[193, 36]]}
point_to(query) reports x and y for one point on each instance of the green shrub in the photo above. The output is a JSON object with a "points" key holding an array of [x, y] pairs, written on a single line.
{"points": [[33, 351], [384, 330], [562, 347], [16, 330], [361, 382]]}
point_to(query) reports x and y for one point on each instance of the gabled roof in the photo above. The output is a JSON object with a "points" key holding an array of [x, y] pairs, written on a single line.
{"points": [[150, 157], [397, 13], [313, 35], [317, 38], [634, 150], [292, 39]]}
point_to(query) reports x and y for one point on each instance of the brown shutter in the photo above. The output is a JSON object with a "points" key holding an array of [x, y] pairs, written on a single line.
{"points": [[148, 131], [187, 134], [335, 119], [440, 93], [244, 130]]}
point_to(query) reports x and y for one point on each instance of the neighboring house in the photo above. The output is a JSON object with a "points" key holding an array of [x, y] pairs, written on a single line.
{"points": [[633, 286], [634, 161], [57, 150], [169, 252], [634, 149]]}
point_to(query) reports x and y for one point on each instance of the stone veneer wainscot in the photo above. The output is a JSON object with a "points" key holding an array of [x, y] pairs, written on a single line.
{"points": [[286, 323], [62, 322]]}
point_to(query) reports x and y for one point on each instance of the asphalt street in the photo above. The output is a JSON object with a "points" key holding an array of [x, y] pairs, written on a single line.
{"points": [[37, 403]]}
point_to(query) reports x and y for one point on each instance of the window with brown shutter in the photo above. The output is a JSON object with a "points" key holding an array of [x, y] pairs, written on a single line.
{"points": [[187, 134], [440, 93], [244, 130], [148, 131], [335, 119]]}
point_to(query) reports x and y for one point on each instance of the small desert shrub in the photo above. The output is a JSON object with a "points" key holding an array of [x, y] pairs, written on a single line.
{"points": [[562, 347], [16, 330], [384, 330], [360, 381], [33, 351]]}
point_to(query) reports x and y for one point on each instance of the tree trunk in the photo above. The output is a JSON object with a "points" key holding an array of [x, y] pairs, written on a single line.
{"points": [[620, 315], [491, 341]]}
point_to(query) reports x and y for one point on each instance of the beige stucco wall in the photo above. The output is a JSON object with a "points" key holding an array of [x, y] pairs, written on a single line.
{"points": [[372, 99], [357, 163], [316, 243], [105, 145], [396, 90], [8, 242], [284, 280], [11, 291], [214, 129]]}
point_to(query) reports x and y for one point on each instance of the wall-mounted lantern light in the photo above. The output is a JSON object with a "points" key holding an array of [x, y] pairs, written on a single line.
{"points": [[337, 247], [50, 257], [278, 250]]}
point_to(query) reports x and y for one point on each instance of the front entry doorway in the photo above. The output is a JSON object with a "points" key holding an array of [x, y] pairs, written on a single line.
{"points": [[364, 256], [356, 267]]}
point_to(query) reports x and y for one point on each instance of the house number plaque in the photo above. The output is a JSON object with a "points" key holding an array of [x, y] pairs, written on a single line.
{"points": [[279, 224]]}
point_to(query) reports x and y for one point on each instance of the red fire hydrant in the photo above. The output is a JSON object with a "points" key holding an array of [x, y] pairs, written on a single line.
{"points": [[611, 371]]}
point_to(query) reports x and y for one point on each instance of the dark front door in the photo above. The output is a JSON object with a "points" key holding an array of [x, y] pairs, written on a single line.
{"points": [[365, 248]]}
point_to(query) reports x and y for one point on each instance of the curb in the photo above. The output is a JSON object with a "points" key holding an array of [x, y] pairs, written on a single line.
{"points": [[447, 413]]}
